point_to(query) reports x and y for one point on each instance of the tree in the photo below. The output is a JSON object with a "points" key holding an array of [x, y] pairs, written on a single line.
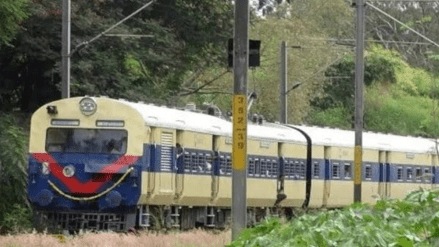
{"points": [[421, 16], [186, 35], [299, 24], [13, 149], [12, 13], [28, 76]]}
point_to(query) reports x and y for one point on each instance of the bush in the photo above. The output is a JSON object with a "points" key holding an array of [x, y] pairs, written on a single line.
{"points": [[413, 221], [13, 153], [18, 219]]}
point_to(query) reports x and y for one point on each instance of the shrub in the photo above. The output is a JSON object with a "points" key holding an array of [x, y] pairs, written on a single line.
{"points": [[13, 150], [409, 222]]}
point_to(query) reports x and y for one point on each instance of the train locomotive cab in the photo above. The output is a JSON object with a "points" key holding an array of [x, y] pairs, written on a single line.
{"points": [[85, 163]]}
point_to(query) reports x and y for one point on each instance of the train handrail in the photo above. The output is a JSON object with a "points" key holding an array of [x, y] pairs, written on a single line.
{"points": [[91, 197], [308, 176]]}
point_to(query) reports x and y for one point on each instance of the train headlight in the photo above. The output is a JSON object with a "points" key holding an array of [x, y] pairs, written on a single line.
{"points": [[45, 170], [68, 171], [87, 106]]}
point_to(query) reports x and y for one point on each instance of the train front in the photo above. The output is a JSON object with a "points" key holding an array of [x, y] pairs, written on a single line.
{"points": [[85, 163]]}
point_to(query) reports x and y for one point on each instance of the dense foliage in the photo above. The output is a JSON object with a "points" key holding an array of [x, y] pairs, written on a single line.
{"points": [[398, 98], [177, 38], [405, 223], [14, 211], [12, 13]]}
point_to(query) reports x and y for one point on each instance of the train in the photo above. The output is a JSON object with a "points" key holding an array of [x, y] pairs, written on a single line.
{"points": [[97, 163]]}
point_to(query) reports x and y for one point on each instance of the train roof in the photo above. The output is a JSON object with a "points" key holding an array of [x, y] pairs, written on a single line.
{"points": [[166, 117], [196, 121], [371, 140]]}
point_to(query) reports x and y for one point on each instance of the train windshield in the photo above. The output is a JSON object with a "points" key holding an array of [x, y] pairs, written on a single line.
{"points": [[71, 140]]}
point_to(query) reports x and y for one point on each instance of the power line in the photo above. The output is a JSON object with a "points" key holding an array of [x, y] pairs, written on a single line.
{"points": [[129, 35], [80, 45], [403, 24], [369, 40], [407, 1]]}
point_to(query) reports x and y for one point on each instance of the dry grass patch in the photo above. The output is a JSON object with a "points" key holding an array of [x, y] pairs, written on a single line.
{"points": [[196, 238]]}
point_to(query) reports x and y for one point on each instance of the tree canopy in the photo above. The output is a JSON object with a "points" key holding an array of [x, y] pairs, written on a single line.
{"points": [[179, 54], [12, 13], [186, 36]]}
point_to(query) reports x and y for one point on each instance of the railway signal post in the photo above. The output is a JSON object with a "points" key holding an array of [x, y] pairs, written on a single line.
{"points": [[239, 151]]}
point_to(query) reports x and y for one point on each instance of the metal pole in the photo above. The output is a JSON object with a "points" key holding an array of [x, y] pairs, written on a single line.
{"points": [[65, 51], [283, 83], [239, 151], [359, 78]]}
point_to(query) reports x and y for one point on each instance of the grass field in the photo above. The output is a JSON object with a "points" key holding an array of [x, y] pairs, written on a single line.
{"points": [[196, 238]]}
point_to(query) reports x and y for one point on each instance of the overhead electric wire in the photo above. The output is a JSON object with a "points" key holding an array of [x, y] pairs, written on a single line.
{"points": [[406, 1], [369, 40], [401, 23]]}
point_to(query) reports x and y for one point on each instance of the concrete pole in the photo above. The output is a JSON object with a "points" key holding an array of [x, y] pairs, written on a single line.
{"points": [[283, 83], [359, 83], [65, 51], [239, 150]]}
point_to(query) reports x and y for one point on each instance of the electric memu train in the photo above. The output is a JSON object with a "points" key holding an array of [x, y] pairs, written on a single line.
{"points": [[100, 163]]}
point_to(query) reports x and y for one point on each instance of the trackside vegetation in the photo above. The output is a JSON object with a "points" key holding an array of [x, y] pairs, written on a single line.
{"points": [[15, 214], [413, 221]]}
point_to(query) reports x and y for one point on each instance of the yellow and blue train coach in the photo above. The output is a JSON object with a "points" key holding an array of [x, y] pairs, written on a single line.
{"points": [[100, 163], [391, 166]]}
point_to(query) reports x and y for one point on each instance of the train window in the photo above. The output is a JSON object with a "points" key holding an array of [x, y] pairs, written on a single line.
{"points": [[274, 168], [257, 167], [427, 175], [316, 170], [409, 172], [302, 169], [368, 172], [336, 170], [74, 140], [296, 168], [225, 165], [299, 169], [418, 174], [197, 162], [347, 170], [399, 173], [264, 169], [187, 162], [268, 168], [207, 165], [289, 168], [251, 167]]}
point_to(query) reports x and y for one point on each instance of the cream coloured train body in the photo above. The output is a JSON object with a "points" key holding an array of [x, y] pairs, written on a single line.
{"points": [[173, 167]]}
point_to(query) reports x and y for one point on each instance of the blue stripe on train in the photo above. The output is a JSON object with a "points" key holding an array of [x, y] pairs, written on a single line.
{"points": [[205, 162]]}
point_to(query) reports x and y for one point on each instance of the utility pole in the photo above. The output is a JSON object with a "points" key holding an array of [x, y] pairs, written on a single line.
{"points": [[239, 149], [359, 79], [283, 82], [65, 53], [283, 119]]}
